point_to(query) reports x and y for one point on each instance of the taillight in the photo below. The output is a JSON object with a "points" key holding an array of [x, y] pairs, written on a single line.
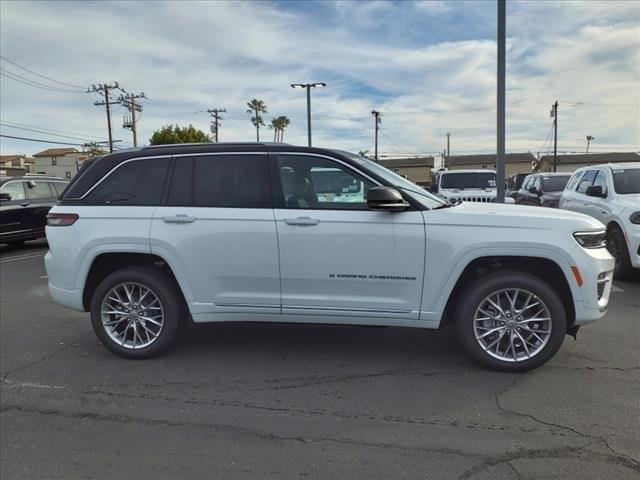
{"points": [[61, 219]]}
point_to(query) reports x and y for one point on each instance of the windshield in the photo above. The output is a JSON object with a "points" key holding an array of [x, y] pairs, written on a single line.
{"points": [[417, 193], [468, 180], [554, 184], [627, 180]]}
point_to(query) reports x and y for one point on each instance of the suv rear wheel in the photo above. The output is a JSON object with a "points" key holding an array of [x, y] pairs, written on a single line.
{"points": [[511, 321], [136, 312]]}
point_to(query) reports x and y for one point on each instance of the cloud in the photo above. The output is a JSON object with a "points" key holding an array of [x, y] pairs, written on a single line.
{"points": [[428, 66]]}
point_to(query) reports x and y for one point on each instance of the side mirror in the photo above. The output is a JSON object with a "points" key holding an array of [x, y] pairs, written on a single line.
{"points": [[596, 191], [534, 190], [5, 197], [31, 184], [387, 199]]}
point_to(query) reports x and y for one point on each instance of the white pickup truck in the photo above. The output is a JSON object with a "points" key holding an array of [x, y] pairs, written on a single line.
{"points": [[150, 238]]}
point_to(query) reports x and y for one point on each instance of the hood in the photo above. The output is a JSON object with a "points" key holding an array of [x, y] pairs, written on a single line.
{"points": [[513, 216], [630, 201]]}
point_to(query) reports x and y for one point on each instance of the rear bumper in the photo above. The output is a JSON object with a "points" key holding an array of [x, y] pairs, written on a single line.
{"points": [[62, 296]]}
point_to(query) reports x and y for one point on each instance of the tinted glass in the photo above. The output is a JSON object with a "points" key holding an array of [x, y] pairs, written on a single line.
{"points": [[626, 181], [58, 187], [554, 183], [601, 180], [181, 189], [468, 180], [320, 183], [231, 181], [15, 189], [139, 182], [587, 181], [39, 191]]}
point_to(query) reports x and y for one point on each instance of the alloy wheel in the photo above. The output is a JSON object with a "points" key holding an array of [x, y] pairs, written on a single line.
{"points": [[132, 315], [512, 325]]}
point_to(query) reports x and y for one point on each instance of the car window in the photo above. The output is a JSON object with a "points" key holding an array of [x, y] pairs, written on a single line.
{"points": [[39, 191], [554, 183], [536, 183], [586, 181], [574, 181], [319, 183], [139, 182], [224, 181], [58, 187], [626, 180], [601, 180], [526, 182], [15, 189]]}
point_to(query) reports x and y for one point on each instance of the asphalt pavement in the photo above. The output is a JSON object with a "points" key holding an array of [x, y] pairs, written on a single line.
{"points": [[257, 401]]}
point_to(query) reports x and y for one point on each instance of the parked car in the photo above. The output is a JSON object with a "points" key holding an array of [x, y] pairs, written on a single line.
{"points": [[611, 193], [147, 239], [514, 182], [473, 185], [542, 189], [24, 204]]}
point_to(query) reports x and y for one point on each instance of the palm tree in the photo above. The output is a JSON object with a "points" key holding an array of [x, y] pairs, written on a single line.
{"points": [[589, 140], [364, 153], [283, 122], [274, 124], [256, 108]]}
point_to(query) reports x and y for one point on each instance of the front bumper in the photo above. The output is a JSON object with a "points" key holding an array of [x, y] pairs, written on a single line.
{"points": [[596, 271], [633, 242]]}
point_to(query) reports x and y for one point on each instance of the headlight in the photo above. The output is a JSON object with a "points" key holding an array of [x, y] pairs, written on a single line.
{"points": [[591, 239], [635, 218]]}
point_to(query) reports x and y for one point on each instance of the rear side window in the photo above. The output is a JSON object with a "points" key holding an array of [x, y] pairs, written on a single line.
{"points": [[224, 181], [587, 181], [39, 191], [14, 189], [58, 187], [139, 182]]}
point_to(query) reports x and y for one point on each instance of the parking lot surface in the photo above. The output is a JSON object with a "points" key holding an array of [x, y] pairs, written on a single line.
{"points": [[257, 401]]}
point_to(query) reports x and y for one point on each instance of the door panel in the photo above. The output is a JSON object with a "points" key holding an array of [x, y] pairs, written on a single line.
{"points": [[336, 256], [13, 212], [41, 198]]}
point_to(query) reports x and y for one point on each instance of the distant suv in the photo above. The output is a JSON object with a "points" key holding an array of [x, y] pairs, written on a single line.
{"points": [[24, 204], [611, 193], [478, 185], [147, 239], [542, 189]]}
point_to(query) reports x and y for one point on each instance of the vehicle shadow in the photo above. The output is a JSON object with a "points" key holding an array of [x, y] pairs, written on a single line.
{"points": [[26, 247]]}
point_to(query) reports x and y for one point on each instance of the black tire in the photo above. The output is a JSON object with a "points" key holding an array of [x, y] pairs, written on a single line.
{"points": [[617, 246], [484, 286], [167, 292]]}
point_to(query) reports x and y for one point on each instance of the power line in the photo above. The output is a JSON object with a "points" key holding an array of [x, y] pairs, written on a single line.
{"points": [[40, 140], [36, 130], [39, 75], [81, 136], [103, 90], [129, 102], [396, 143], [215, 113], [33, 83]]}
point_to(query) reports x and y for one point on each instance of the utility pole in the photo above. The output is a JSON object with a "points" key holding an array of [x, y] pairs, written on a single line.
{"points": [[128, 101], [376, 116], [215, 113], [308, 86], [590, 138], [554, 115], [107, 102], [448, 145], [501, 94]]}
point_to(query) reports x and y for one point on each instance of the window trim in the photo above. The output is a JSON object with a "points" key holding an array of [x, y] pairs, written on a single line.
{"points": [[172, 169], [278, 192], [24, 189]]}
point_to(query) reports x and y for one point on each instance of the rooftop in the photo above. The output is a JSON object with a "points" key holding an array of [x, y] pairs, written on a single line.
{"points": [[591, 158], [53, 152]]}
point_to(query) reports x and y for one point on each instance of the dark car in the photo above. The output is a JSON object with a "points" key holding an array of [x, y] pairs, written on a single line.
{"points": [[542, 189], [24, 203], [514, 182]]}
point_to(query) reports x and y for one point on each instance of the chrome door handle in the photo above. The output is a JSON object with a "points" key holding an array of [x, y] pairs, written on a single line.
{"points": [[180, 218], [302, 221]]}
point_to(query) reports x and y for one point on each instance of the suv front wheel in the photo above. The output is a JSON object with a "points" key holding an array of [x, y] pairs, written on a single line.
{"points": [[136, 312], [511, 321]]}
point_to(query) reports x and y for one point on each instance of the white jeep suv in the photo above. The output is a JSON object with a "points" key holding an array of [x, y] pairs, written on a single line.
{"points": [[150, 238], [611, 193]]}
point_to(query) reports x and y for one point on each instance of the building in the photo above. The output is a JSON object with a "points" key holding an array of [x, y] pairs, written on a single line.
{"points": [[570, 163], [514, 162], [60, 162], [416, 170], [13, 165]]}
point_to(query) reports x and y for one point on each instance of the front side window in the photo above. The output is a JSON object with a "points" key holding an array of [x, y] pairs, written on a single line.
{"points": [[587, 181], [39, 190], [626, 181], [601, 180], [14, 189], [574, 181], [224, 181], [319, 183], [137, 182]]}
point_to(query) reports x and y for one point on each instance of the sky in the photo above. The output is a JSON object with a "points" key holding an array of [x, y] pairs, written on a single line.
{"points": [[429, 67]]}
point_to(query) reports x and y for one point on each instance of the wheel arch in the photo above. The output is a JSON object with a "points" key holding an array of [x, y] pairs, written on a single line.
{"points": [[546, 269], [106, 263]]}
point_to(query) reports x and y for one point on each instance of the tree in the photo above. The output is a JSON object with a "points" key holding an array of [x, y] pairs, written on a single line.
{"points": [[283, 122], [256, 108], [274, 124], [93, 149], [364, 153], [170, 134]]}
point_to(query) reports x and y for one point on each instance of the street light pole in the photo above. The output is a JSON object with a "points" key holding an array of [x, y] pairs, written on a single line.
{"points": [[308, 86], [501, 94]]}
